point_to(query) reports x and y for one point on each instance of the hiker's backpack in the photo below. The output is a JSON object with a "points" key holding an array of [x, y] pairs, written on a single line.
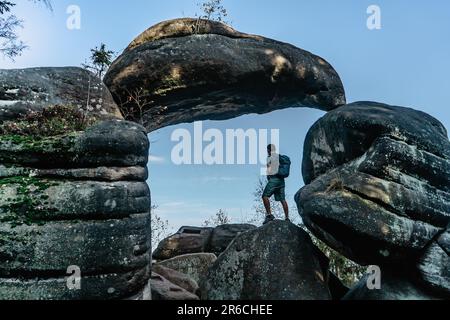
{"points": [[284, 169]]}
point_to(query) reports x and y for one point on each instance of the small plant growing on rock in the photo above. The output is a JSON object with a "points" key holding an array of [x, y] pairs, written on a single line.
{"points": [[212, 10], [100, 60], [51, 121]]}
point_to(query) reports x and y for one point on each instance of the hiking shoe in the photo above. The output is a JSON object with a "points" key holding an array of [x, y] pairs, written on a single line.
{"points": [[288, 220], [269, 218]]}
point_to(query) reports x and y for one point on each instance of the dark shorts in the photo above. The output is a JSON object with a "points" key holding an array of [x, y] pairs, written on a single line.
{"points": [[275, 187]]}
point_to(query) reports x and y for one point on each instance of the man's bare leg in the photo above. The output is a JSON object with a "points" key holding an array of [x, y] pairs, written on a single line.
{"points": [[285, 208], [266, 202]]}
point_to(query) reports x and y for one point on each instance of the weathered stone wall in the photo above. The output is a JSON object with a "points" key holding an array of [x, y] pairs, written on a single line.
{"points": [[378, 191], [75, 200]]}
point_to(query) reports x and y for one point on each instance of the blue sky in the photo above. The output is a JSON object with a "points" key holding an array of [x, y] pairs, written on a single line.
{"points": [[406, 63]]}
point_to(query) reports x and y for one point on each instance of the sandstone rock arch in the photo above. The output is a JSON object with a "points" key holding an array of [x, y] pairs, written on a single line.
{"points": [[216, 74], [365, 158]]}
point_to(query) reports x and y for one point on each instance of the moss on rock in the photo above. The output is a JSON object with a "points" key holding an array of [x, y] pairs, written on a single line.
{"points": [[28, 204]]}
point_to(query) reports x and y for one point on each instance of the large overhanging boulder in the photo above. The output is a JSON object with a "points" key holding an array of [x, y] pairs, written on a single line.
{"points": [[185, 70], [24, 90], [378, 188]]}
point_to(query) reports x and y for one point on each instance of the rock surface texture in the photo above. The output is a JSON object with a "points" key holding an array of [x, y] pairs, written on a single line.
{"points": [[378, 189], [75, 200], [164, 290], [193, 265], [275, 262], [177, 278], [196, 240], [175, 73], [23, 90]]}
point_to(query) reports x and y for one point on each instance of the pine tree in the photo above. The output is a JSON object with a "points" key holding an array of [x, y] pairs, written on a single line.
{"points": [[100, 60]]}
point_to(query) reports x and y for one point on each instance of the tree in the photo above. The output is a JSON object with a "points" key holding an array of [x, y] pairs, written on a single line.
{"points": [[100, 60], [260, 210], [10, 44], [160, 228], [346, 270], [137, 106], [213, 10], [219, 219]]}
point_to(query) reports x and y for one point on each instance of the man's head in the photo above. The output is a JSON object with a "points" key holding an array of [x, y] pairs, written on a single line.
{"points": [[271, 148]]}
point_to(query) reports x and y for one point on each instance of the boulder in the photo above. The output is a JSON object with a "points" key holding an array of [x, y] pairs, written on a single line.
{"points": [[394, 287], [223, 235], [24, 90], [180, 73], [164, 290], [337, 288], [193, 265], [176, 278], [378, 187], [275, 262], [59, 199], [79, 199], [187, 240]]}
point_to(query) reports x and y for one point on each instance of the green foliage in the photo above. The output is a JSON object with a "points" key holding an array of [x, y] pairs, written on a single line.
{"points": [[100, 60], [346, 270], [51, 121], [28, 206]]}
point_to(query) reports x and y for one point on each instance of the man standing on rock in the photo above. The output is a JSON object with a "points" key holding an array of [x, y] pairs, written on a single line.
{"points": [[278, 169]]}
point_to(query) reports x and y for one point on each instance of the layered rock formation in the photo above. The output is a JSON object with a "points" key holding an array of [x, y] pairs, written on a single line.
{"points": [[75, 200], [378, 190], [178, 71], [275, 262], [196, 240], [24, 90], [377, 179]]}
